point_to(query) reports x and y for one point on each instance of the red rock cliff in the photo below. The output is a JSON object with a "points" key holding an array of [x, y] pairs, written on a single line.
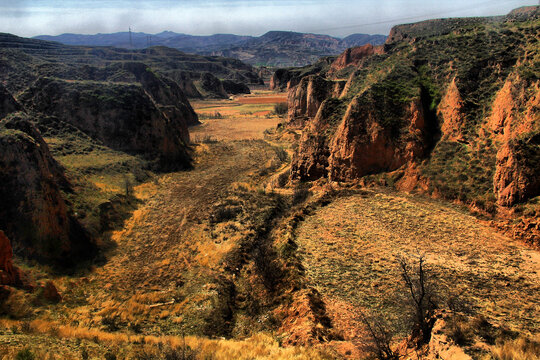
{"points": [[362, 145], [353, 56], [305, 99]]}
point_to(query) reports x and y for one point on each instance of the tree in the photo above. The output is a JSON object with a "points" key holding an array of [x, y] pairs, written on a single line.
{"points": [[422, 298]]}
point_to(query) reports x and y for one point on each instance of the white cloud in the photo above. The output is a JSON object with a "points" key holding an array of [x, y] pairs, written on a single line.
{"points": [[340, 17]]}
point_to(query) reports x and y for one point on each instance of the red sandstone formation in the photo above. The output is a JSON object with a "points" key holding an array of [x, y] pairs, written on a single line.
{"points": [[353, 56]]}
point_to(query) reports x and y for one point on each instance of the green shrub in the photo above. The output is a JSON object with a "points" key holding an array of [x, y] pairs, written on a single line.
{"points": [[110, 356], [25, 354], [281, 108]]}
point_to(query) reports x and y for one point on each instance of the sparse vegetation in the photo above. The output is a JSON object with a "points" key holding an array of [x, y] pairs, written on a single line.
{"points": [[522, 348]]}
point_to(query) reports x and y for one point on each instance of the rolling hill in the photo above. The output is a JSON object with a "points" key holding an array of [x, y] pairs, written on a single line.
{"points": [[275, 48]]}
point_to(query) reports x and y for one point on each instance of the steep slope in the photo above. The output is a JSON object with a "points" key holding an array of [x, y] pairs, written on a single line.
{"points": [[451, 105], [34, 214], [121, 116]]}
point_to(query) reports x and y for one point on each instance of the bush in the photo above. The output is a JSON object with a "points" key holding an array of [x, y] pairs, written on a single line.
{"points": [[300, 194], [281, 108], [283, 179], [281, 154], [110, 356], [25, 354]]}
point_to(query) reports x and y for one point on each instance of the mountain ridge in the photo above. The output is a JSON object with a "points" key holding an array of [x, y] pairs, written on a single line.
{"points": [[274, 48]]}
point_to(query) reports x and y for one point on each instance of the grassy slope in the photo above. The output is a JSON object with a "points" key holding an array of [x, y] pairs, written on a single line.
{"points": [[350, 250]]}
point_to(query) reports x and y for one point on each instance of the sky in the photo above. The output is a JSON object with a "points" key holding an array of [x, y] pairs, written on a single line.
{"points": [[256, 17]]}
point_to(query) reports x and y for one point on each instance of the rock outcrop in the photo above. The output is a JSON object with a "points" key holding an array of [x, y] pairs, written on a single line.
{"points": [[211, 86], [517, 175], [451, 114], [165, 92], [353, 57], [287, 78], [122, 116], [364, 144], [34, 214], [234, 88], [8, 273], [514, 122], [310, 161], [7, 102], [279, 79], [305, 99], [185, 82], [515, 109]]}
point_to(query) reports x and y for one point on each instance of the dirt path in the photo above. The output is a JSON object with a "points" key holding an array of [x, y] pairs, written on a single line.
{"points": [[166, 261]]}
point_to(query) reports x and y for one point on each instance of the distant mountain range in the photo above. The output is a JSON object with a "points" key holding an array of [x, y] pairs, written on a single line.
{"points": [[275, 48]]}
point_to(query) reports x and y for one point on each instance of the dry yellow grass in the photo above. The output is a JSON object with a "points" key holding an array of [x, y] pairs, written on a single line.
{"points": [[259, 346], [522, 348], [350, 248]]}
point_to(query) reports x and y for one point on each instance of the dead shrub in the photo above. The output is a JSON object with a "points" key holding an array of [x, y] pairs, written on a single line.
{"points": [[300, 194], [422, 302], [380, 337]]}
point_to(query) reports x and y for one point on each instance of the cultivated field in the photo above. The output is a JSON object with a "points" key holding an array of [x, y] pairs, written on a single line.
{"points": [[245, 117]]}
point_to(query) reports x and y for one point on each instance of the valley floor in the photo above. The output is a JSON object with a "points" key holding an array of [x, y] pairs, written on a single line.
{"points": [[170, 268]]}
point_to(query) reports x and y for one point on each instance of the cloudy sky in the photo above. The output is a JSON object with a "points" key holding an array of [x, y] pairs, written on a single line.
{"points": [[255, 17]]}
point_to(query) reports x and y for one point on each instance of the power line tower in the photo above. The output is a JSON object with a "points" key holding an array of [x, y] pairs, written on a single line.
{"points": [[130, 39]]}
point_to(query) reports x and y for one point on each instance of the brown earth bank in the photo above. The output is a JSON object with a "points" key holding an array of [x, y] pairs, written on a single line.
{"points": [[436, 111]]}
